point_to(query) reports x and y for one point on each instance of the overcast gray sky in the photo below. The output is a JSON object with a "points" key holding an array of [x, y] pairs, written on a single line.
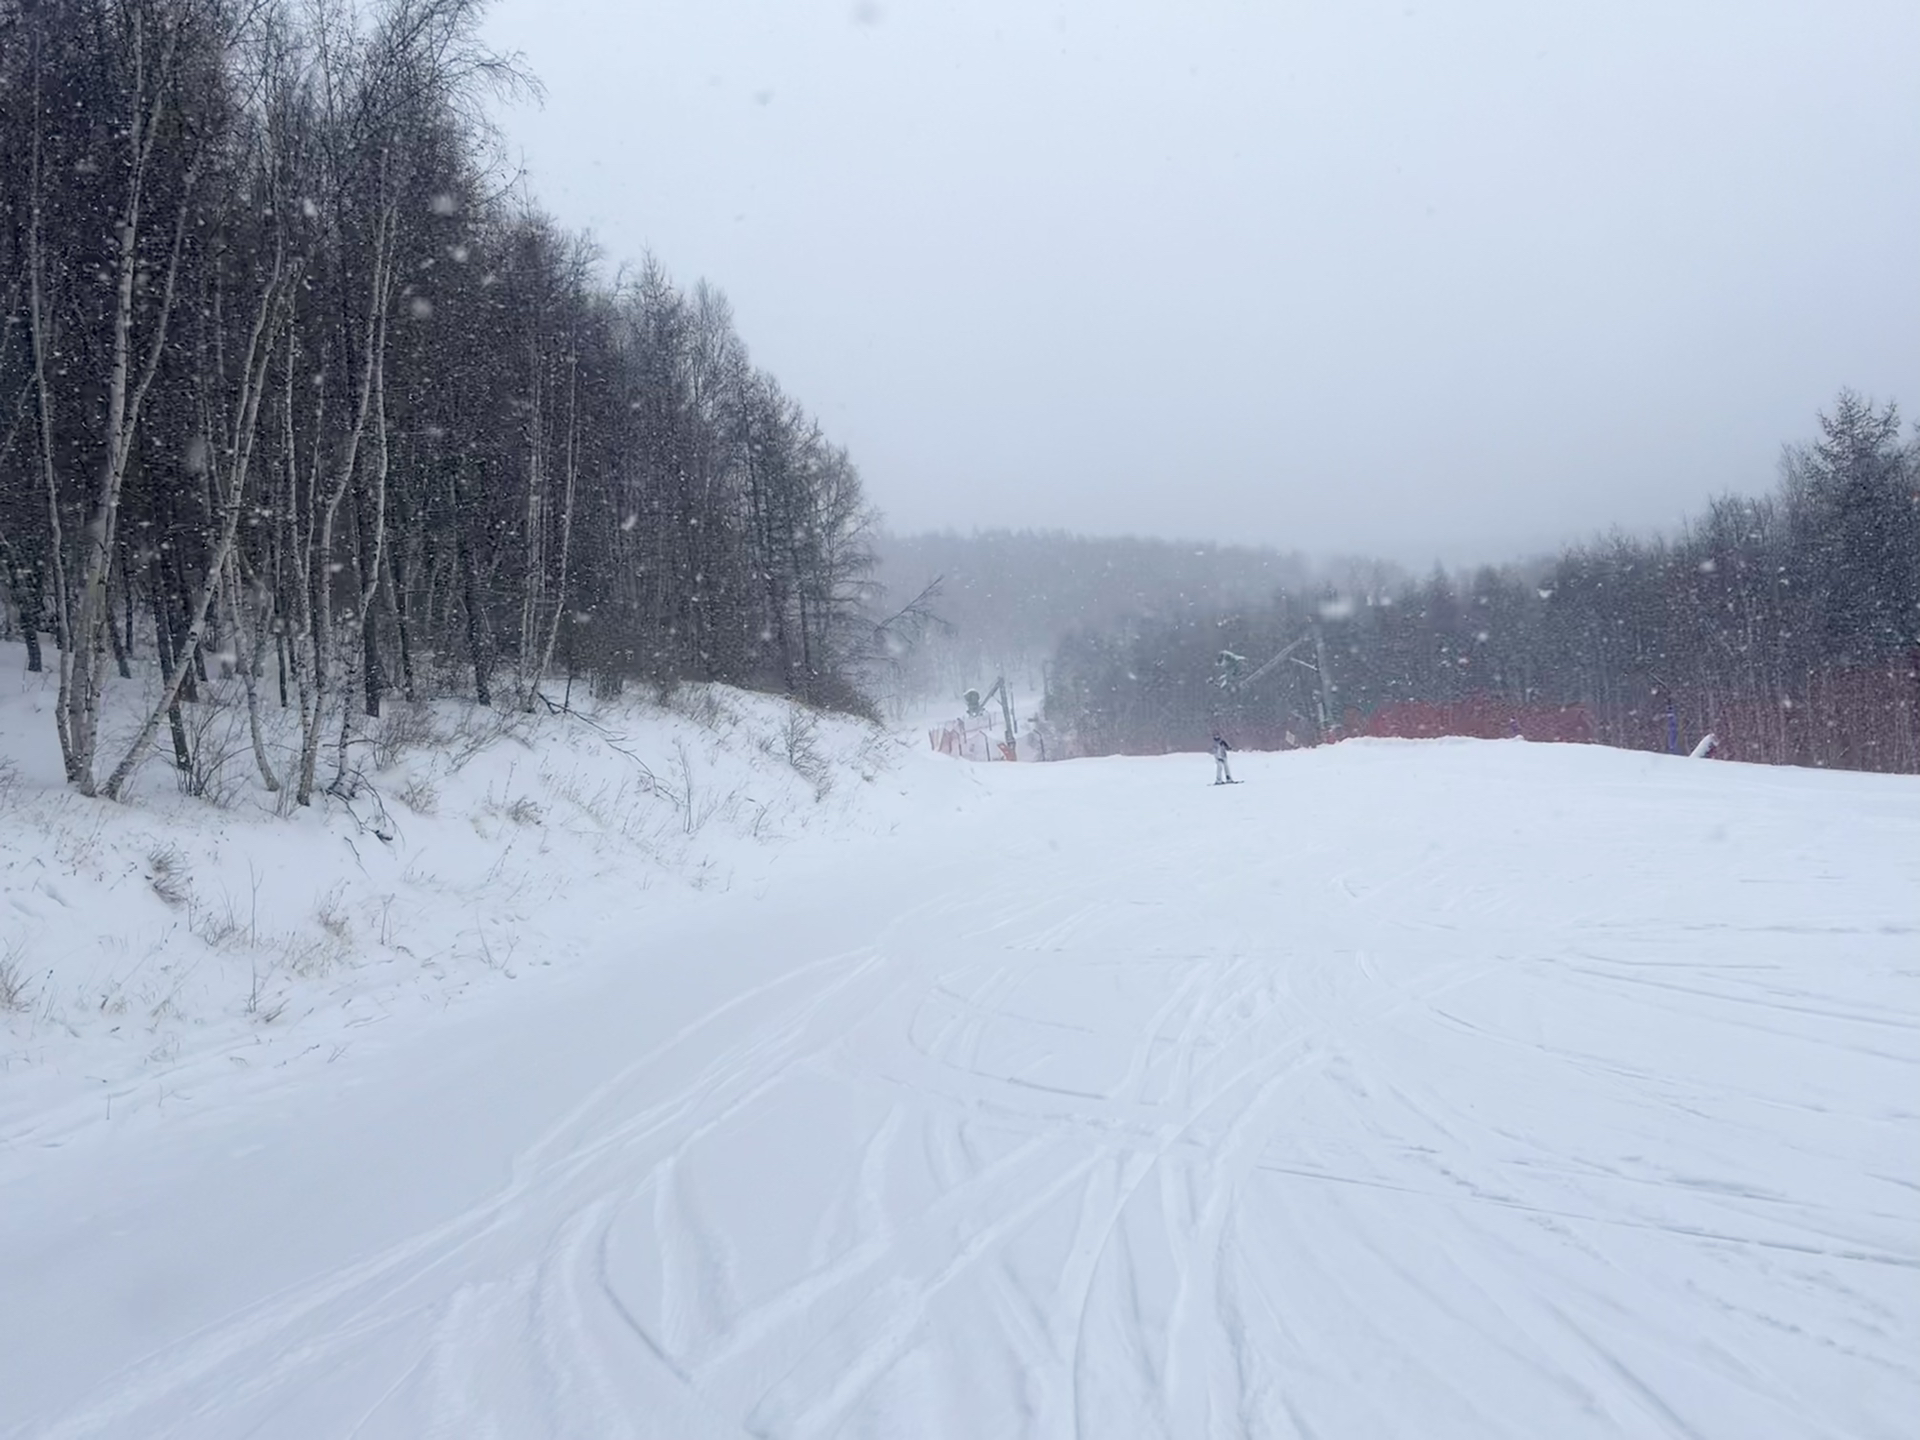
{"points": [[1425, 280]]}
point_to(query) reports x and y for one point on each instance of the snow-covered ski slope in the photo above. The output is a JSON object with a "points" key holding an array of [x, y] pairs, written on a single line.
{"points": [[1411, 1089]]}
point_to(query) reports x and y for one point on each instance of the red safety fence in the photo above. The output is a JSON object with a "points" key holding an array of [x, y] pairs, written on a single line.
{"points": [[1480, 717], [1861, 717], [1856, 718], [975, 740], [955, 739]]}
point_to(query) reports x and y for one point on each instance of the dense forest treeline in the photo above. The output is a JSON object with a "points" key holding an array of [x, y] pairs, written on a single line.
{"points": [[292, 383], [1788, 626]]}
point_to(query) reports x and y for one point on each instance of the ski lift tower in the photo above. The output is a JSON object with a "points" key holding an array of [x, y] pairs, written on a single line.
{"points": [[977, 705], [1232, 680]]}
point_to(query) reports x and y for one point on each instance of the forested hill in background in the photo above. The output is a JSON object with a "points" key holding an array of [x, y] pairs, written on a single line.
{"points": [[302, 396], [1789, 626], [297, 383], [1009, 597]]}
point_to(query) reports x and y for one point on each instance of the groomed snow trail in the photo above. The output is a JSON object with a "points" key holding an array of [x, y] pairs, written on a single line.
{"points": [[1445, 1089]]}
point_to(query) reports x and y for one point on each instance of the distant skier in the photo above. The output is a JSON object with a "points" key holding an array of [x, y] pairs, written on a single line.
{"points": [[1221, 774]]}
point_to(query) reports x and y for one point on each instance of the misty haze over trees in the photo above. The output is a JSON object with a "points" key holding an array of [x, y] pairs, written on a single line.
{"points": [[1008, 598], [292, 382], [1789, 626]]}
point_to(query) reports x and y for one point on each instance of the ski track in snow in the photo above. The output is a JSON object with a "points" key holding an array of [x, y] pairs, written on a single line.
{"points": [[1446, 1089]]}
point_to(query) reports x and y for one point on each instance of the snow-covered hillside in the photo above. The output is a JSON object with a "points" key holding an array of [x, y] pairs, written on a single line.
{"points": [[144, 946], [1436, 1089]]}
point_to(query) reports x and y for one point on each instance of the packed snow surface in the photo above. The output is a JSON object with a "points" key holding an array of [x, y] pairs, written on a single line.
{"points": [[1435, 1089]]}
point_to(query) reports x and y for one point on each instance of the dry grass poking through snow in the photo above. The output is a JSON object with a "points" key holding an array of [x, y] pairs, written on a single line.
{"points": [[13, 979]]}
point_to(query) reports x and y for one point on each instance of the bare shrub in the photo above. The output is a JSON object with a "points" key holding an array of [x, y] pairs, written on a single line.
{"points": [[79, 848], [699, 703], [420, 795], [604, 805], [289, 959], [217, 927], [517, 809], [9, 782], [492, 958], [878, 752], [686, 799], [331, 911], [223, 927], [13, 981], [167, 874], [256, 981], [408, 726], [305, 957], [697, 805], [800, 741], [218, 746], [480, 729]]}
